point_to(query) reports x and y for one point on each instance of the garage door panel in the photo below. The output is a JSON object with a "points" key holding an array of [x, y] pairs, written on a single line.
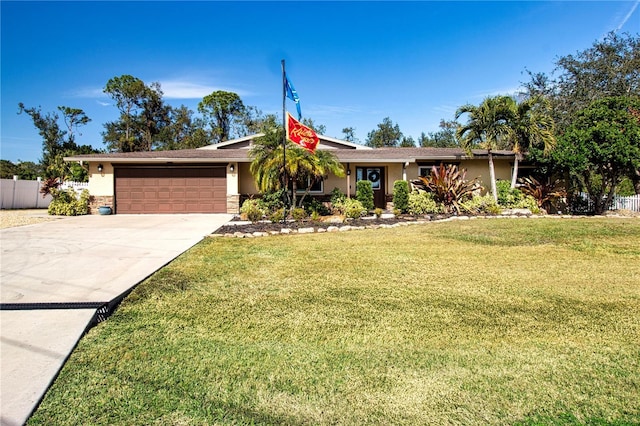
{"points": [[171, 190]]}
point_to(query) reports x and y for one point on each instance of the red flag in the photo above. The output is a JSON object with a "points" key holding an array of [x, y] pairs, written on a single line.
{"points": [[300, 134]]}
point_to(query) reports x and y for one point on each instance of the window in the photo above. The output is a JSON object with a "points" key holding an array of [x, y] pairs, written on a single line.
{"points": [[372, 174], [424, 168], [304, 182]]}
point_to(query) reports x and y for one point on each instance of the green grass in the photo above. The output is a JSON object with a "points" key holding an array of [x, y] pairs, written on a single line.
{"points": [[529, 322]]}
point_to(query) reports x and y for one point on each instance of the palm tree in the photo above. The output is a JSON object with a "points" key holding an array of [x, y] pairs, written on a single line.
{"points": [[487, 128], [533, 125], [268, 169]]}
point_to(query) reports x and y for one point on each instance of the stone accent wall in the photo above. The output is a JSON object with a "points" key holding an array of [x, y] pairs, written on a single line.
{"points": [[98, 201], [233, 204]]}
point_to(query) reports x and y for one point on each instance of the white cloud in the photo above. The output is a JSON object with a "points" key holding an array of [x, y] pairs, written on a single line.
{"points": [[103, 103], [181, 89]]}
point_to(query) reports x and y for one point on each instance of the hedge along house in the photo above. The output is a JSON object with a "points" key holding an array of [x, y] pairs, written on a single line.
{"points": [[216, 178]]}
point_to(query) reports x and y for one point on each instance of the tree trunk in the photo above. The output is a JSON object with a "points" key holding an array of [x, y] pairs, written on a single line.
{"points": [[514, 178], [635, 178], [492, 177]]}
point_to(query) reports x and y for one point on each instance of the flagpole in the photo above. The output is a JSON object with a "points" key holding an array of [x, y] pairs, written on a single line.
{"points": [[284, 140]]}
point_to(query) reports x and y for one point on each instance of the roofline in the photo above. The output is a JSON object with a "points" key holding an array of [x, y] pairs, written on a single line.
{"points": [[232, 141], [164, 160]]}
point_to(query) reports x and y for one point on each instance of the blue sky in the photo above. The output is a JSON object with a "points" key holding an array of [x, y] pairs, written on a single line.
{"points": [[352, 63]]}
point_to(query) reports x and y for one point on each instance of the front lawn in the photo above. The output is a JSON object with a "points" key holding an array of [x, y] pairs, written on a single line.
{"points": [[504, 321]]}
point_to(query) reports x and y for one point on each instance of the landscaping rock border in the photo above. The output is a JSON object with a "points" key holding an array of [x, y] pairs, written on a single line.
{"points": [[245, 229]]}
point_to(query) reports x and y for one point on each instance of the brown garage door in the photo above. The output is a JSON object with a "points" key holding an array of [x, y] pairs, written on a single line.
{"points": [[171, 190]]}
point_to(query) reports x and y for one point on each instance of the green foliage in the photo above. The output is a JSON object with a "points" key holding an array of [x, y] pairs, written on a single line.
{"points": [[487, 127], [277, 216], [421, 203], [601, 147], [272, 201], [401, 195], [144, 117], [485, 204], [626, 188], [67, 202], [58, 143], [378, 212], [298, 213], [364, 194], [443, 138], [448, 186], [313, 205], [222, 111], [315, 216], [26, 170], [251, 210], [386, 135], [508, 197], [338, 199], [397, 213], [354, 209]]}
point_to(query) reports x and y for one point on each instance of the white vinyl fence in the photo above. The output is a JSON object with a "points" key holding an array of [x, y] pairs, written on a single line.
{"points": [[25, 194], [628, 203]]}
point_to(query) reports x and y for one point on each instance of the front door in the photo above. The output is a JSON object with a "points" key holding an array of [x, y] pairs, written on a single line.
{"points": [[375, 175]]}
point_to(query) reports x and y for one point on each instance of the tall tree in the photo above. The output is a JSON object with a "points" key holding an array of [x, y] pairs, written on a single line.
{"points": [[350, 134], [386, 135], [610, 67], [143, 115], [407, 142], [268, 163], [601, 147], [487, 128], [184, 131], [224, 112], [320, 129], [533, 126], [443, 138], [57, 143]]}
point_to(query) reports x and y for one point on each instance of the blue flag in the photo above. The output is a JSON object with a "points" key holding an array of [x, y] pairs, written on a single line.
{"points": [[293, 95]]}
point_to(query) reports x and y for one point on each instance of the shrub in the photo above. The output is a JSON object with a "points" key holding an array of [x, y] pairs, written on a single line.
{"points": [[481, 205], [354, 209], [251, 210], [277, 216], [547, 195], [315, 216], [397, 213], [421, 202], [313, 205], [338, 199], [272, 201], [364, 194], [298, 213], [67, 202], [401, 195], [378, 212], [508, 197], [448, 186]]}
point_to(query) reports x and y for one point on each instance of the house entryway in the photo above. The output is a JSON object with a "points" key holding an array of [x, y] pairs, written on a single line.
{"points": [[376, 176]]}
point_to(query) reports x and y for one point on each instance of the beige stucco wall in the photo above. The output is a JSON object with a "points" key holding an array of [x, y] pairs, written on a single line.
{"points": [[246, 185], [101, 183], [232, 179]]}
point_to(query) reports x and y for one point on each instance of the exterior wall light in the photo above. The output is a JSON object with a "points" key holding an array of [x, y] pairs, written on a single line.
{"points": [[100, 168], [231, 167]]}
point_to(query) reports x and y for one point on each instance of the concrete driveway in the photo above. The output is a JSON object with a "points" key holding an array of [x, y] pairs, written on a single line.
{"points": [[55, 275]]}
